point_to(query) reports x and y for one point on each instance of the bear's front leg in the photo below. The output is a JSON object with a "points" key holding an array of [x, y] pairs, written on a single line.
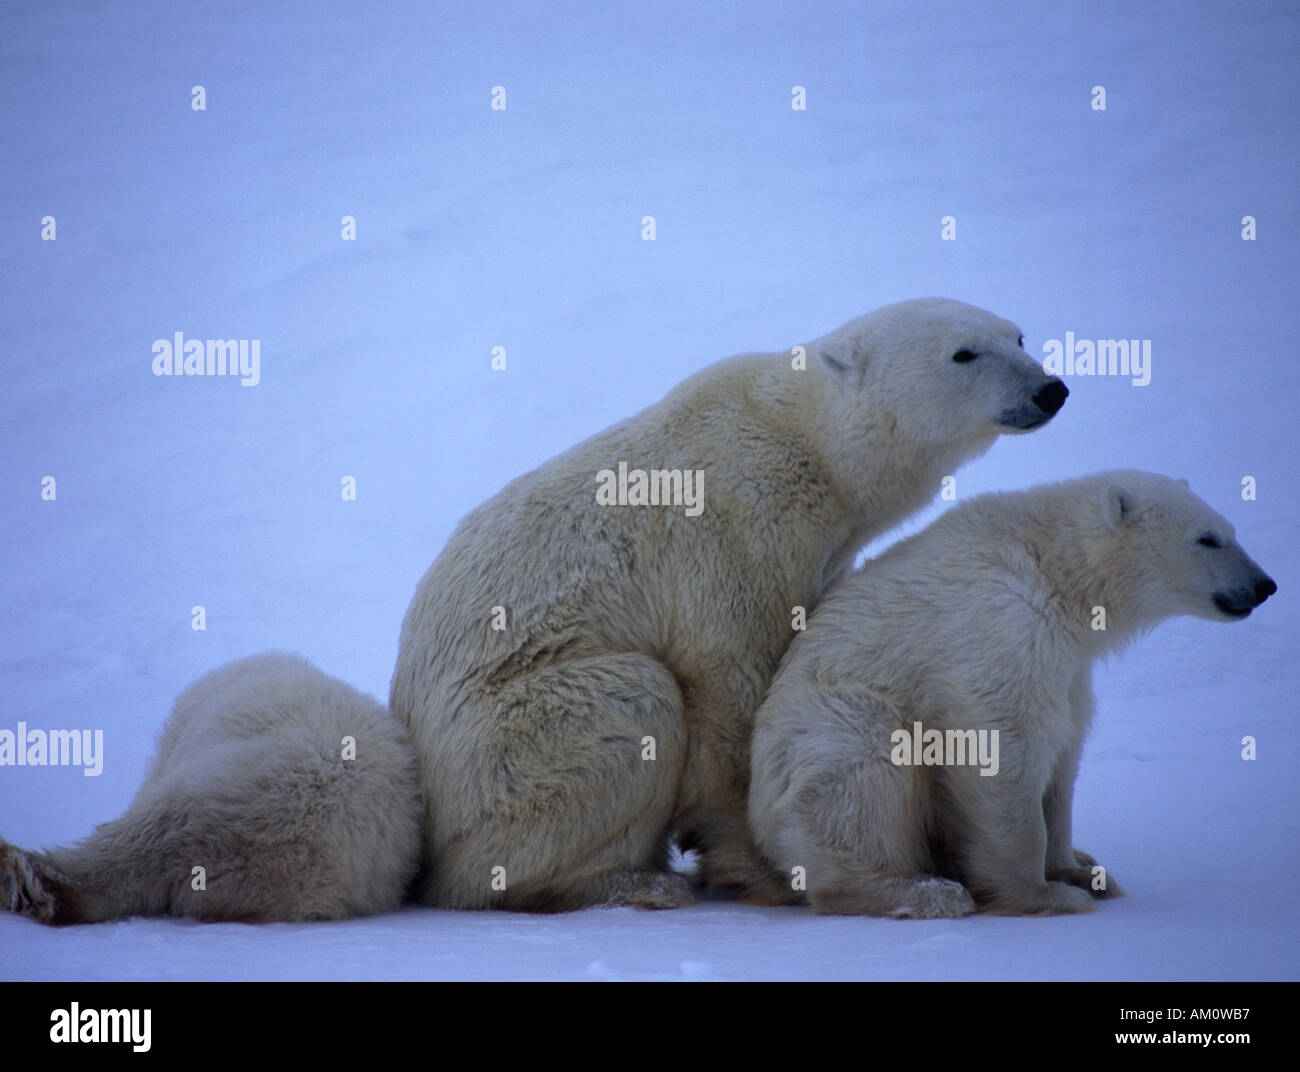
{"points": [[1058, 806], [1065, 863], [1087, 874]]}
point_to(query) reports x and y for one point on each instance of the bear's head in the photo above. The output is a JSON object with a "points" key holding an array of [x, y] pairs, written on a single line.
{"points": [[944, 372], [1180, 556]]}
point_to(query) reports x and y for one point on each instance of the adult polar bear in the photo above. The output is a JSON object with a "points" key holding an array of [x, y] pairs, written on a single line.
{"points": [[984, 622], [557, 753]]}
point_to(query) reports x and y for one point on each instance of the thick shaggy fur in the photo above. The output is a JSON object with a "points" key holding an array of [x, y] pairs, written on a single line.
{"points": [[623, 623], [983, 621], [249, 782]]}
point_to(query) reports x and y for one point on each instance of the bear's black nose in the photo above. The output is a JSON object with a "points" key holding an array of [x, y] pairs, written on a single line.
{"points": [[1264, 589], [1052, 397]]}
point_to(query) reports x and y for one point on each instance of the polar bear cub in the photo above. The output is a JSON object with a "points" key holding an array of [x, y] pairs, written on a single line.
{"points": [[293, 795], [580, 669], [917, 752]]}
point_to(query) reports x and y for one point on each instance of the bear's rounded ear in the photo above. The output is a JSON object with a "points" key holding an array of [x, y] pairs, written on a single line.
{"points": [[843, 354], [1116, 505]]}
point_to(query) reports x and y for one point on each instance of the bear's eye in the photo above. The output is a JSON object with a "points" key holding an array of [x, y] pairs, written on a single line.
{"points": [[962, 356], [1208, 539], [1021, 342]]}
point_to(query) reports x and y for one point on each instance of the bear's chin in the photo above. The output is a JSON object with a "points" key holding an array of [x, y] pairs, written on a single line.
{"points": [[1020, 422], [1229, 611]]}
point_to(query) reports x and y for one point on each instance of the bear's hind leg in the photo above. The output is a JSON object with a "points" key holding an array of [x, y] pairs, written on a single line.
{"points": [[1001, 839], [106, 876], [566, 803], [30, 885], [879, 855]]}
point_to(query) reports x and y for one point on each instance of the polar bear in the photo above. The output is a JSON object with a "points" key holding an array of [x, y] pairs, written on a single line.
{"points": [[295, 794], [580, 666], [917, 751]]}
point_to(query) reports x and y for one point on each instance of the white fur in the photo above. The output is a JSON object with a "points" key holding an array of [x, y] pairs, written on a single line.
{"points": [[631, 622], [250, 782], [983, 621]]}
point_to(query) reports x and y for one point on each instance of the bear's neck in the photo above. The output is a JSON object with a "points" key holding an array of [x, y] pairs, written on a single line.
{"points": [[875, 475], [1097, 593], [881, 474]]}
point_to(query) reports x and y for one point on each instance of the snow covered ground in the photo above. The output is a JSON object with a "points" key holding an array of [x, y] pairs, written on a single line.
{"points": [[521, 228]]}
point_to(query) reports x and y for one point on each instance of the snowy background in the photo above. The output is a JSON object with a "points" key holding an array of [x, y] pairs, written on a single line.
{"points": [[521, 228]]}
